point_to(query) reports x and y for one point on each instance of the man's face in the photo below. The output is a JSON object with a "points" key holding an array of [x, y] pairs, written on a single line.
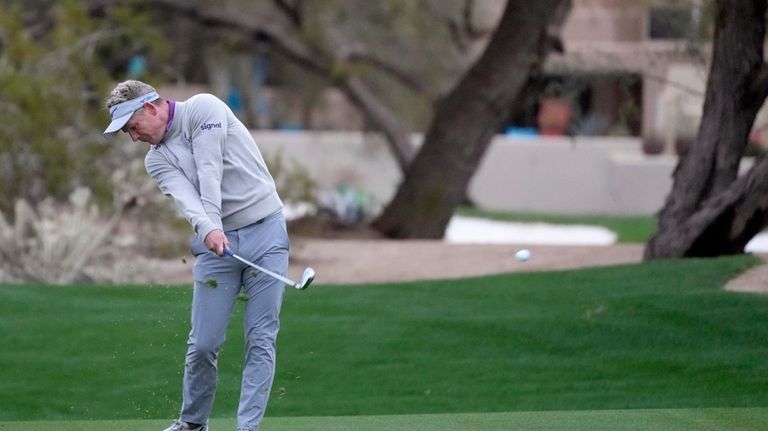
{"points": [[146, 125]]}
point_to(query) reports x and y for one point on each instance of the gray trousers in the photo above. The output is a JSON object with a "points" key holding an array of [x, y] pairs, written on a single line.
{"points": [[218, 280]]}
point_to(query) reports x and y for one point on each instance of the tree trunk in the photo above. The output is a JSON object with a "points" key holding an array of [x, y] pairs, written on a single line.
{"points": [[709, 211], [467, 119]]}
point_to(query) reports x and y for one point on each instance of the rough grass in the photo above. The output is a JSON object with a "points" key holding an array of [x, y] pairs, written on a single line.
{"points": [[647, 336]]}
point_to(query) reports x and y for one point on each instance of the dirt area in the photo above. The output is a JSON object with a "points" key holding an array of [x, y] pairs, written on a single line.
{"points": [[754, 281], [365, 261], [351, 261]]}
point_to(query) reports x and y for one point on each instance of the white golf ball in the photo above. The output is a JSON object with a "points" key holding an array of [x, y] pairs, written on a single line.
{"points": [[523, 255]]}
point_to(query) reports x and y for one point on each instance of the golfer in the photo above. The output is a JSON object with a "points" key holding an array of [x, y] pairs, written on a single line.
{"points": [[204, 158]]}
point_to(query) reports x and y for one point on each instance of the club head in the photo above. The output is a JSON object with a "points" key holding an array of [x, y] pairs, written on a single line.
{"points": [[306, 279]]}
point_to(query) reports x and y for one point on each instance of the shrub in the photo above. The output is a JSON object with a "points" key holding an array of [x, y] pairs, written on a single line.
{"points": [[53, 243]]}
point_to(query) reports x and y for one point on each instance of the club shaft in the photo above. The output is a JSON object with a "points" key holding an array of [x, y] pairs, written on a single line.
{"points": [[264, 270]]}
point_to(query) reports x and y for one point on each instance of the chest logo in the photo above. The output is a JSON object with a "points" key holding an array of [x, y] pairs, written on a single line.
{"points": [[209, 126]]}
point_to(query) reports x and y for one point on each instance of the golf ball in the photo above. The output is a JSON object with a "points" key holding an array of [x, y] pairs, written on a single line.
{"points": [[523, 255]]}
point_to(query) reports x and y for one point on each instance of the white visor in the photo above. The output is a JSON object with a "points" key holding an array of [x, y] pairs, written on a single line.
{"points": [[123, 111]]}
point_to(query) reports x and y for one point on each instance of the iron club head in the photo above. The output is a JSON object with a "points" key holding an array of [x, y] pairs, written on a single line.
{"points": [[306, 279]]}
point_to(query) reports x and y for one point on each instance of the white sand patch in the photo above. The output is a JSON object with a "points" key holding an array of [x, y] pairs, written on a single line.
{"points": [[758, 244], [470, 230]]}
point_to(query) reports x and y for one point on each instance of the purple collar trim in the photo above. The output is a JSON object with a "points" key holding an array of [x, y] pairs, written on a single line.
{"points": [[171, 111]]}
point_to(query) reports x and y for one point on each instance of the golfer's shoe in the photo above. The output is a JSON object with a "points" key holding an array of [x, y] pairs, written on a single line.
{"points": [[183, 426]]}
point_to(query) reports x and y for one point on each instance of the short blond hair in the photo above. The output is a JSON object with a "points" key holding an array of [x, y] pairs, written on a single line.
{"points": [[127, 90]]}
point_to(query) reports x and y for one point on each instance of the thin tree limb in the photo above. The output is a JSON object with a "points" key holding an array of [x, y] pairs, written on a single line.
{"points": [[293, 11], [392, 70]]}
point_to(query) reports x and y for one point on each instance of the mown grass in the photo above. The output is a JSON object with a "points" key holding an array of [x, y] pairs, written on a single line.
{"points": [[628, 229], [744, 419], [662, 335]]}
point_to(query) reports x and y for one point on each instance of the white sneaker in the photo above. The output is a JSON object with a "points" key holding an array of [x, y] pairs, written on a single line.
{"points": [[183, 426]]}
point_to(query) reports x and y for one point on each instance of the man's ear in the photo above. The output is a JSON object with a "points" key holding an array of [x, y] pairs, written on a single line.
{"points": [[150, 107]]}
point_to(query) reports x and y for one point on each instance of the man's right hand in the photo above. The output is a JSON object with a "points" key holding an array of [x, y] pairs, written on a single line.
{"points": [[215, 241]]}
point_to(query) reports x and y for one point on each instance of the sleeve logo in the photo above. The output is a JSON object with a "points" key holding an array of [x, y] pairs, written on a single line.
{"points": [[209, 126]]}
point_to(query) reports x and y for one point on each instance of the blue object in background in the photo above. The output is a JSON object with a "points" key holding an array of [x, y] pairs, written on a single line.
{"points": [[137, 65], [261, 70], [289, 127], [234, 100], [521, 132]]}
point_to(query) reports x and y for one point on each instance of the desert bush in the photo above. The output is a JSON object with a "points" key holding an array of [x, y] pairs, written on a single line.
{"points": [[53, 243], [75, 241]]}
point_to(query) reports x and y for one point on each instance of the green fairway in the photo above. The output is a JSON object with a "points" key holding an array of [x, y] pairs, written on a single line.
{"points": [[645, 336], [627, 228], [625, 420]]}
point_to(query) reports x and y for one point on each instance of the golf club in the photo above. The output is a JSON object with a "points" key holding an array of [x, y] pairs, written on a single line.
{"points": [[306, 278]]}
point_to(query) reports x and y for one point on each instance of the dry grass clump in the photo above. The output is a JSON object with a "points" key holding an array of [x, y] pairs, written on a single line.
{"points": [[56, 243]]}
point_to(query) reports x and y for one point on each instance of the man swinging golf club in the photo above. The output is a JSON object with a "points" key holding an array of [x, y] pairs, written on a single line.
{"points": [[203, 157]]}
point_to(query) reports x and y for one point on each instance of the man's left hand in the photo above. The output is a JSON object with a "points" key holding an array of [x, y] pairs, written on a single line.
{"points": [[215, 241]]}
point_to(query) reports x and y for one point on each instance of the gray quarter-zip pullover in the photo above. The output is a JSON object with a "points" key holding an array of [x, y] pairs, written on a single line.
{"points": [[210, 165]]}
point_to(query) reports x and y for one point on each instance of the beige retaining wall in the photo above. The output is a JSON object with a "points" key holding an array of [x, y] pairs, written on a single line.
{"points": [[544, 174]]}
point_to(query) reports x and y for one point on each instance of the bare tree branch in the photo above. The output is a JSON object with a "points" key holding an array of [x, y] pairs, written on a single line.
{"points": [[293, 11], [396, 72], [382, 117], [375, 111], [462, 30], [259, 32]]}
